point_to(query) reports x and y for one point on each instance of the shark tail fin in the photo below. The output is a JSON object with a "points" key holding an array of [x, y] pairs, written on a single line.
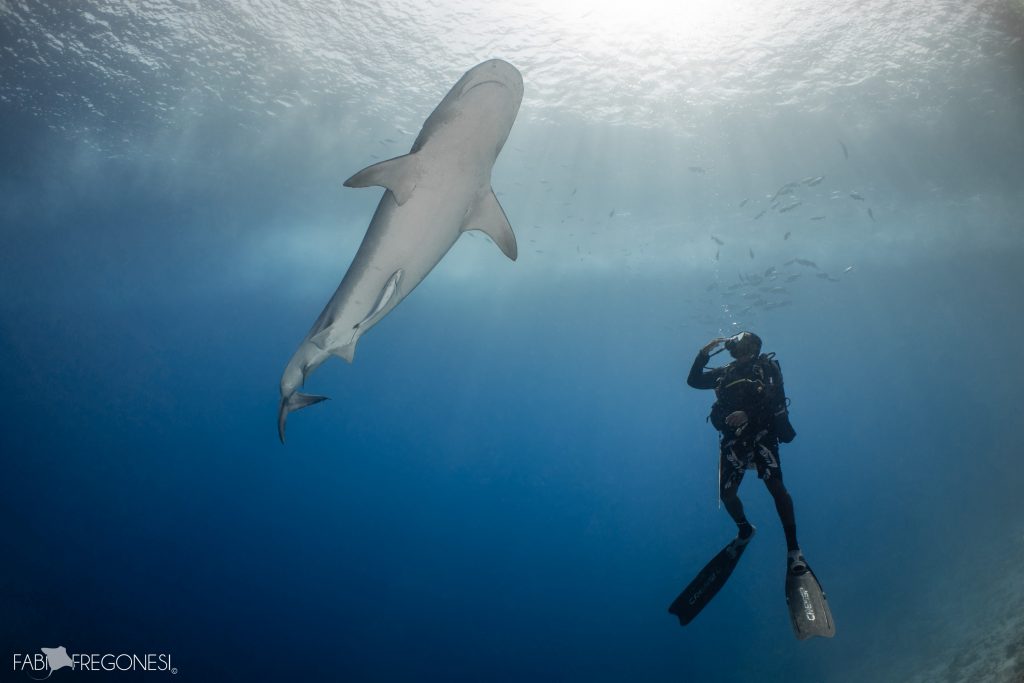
{"points": [[296, 401]]}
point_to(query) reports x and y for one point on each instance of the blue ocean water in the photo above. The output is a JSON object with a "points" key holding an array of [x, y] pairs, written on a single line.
{"points": [[512, 481]]}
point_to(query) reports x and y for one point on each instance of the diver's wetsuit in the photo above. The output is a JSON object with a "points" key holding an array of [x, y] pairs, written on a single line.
{"points": [[755, 387]]}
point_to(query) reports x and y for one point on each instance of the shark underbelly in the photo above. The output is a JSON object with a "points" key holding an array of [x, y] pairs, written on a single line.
{"points": [[401, 247]]}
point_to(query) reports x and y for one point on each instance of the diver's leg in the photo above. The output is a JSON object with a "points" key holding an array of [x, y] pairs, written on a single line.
{"points": [[770, 471], [730, 474], [784, 506]]}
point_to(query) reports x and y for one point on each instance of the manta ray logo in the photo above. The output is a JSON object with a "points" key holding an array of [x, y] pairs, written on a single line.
{"points": [[50, 659], [56, 658]]}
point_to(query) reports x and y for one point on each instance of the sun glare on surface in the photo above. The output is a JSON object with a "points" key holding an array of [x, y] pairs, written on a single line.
{"points": [[682, 18]]}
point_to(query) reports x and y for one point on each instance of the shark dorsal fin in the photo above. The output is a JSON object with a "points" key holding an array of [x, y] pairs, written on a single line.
{"points": [[488, 217], [399, 175]]}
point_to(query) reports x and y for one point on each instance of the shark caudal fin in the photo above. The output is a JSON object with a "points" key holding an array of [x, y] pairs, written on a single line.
{"points": [[296, 401]]}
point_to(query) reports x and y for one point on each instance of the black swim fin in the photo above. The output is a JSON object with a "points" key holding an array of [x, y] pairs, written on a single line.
{"points": [[808, 605], [708, 582]]}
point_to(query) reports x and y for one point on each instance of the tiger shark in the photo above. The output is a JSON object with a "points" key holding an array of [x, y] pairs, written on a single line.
{"points": [[433, 194]]}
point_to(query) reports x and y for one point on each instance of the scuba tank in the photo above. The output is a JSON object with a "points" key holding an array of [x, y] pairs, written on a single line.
{"points": [[749, 392]]}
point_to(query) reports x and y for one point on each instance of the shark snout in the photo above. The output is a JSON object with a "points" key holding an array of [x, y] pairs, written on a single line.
{"points": [[496, 72], [470, 86]]}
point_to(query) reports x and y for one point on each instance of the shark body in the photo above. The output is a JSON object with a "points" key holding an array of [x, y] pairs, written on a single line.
{"points": [[433, 194]]}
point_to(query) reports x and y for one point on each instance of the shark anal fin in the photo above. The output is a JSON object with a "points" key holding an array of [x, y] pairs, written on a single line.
{"points": [[399, 175], [324, 341], [347, 352], [488, 217]]}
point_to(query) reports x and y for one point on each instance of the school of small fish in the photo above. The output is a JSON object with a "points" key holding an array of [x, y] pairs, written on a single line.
{"points": [[756, 291]]}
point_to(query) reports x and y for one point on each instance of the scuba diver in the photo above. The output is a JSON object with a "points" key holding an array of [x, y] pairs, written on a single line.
{"points": [[752, 415], [750, 412]]}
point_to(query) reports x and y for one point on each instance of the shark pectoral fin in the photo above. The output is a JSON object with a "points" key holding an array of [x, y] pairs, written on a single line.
{"points": [[399, 175], [386, 295], [488, 217]]}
